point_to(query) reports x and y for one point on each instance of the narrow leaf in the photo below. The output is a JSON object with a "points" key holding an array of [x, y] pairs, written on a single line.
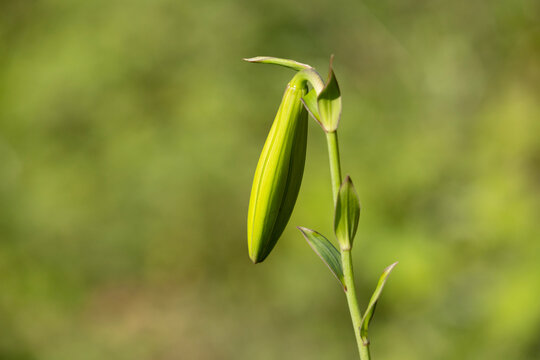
{"points": [[329, 101], [347, 214], [373, 303], [310, 102], [291, 64], [326, 251]]}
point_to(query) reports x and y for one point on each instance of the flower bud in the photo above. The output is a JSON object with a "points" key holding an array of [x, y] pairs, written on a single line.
{"points": [[279, 173]]}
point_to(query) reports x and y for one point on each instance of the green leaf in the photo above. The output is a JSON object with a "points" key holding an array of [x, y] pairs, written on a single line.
{"points": [[329, 101], [347, 214], [326, 251], [291, 64], [373, 303], [305, 71], [310, 102]]}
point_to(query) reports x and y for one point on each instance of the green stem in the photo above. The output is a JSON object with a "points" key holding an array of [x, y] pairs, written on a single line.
{"points": [[335, 167], [350, 292], [346, 257]]}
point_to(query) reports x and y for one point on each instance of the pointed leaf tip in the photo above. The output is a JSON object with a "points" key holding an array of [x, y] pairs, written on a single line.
{"points": [[390, 267], [326, 251], [364, 325], [291, 64]]}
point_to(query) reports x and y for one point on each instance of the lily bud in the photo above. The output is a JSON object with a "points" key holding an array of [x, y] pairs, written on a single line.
{"points": [[279, 172]]}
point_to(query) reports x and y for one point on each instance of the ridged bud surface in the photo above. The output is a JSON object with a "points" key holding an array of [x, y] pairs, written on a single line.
{"points": [[279, 173]]}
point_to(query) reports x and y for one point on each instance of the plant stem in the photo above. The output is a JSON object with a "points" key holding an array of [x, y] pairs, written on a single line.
{"points": [[346, 257], [356, 316], [335, 167]]}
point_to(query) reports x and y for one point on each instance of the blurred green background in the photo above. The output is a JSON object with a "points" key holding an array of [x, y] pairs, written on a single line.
{"points": [[129, 134]]}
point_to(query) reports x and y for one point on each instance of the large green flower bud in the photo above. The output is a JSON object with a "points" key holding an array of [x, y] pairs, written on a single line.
{"points": [[279, 173]]}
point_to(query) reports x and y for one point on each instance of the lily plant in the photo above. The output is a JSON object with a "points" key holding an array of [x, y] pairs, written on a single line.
{"points": [[278, 177]]}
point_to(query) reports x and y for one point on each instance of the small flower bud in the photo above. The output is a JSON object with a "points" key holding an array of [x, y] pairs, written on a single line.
{"points": [[279, 173]]}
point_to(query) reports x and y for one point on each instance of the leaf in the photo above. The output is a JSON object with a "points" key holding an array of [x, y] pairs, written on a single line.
{"points": [[329, 101], [364, 324], [347, 214], [291, 64], [326, 251], [310, 102]]}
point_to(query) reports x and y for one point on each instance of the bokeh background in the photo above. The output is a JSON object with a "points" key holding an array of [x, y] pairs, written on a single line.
{"points": [[129, 134]]}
